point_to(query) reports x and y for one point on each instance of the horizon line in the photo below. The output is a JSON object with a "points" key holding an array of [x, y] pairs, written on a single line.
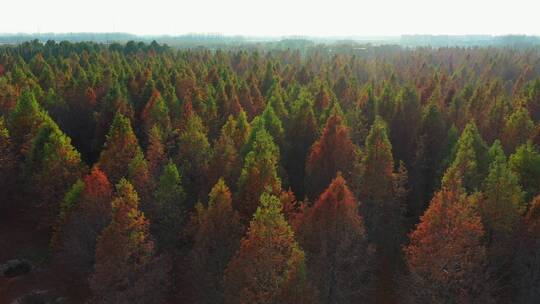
{"points": [[264, 36]]}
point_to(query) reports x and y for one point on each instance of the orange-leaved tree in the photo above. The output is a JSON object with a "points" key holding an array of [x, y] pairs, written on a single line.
{"points": [[446, 257], [332, 152], [269, 267], [339, 258], [126, 270]]}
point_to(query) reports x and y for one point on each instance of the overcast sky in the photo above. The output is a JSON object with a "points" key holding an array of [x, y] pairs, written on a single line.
{"points": [[273, 17]]}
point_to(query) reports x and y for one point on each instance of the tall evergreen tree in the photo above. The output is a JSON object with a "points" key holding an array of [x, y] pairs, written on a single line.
{"points": [[503, 202], [470, 161], [139, 176], [274, 125], [258, 174], [339, 258], [52, 166], [192, 157], [168, 211], [525, 163], [381, 205], [119, 150], [24, 122], [518, 129], [269, 267], [496, 119], [445, 257], [382, 193], [156, 113], [124, 271], [226, 160], [301, 134], [332, 152], [84, 212], [428, 163], [216, 237], [275, 98], [155, 152], [532, 99], [114, 103], [407, 113], [270, 122]]}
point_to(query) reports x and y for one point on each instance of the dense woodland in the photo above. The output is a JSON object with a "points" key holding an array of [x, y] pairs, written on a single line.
{"points": [[326, 174]]}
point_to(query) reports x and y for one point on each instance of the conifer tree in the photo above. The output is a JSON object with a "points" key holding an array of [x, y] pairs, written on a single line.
{"points": [[274, 125], [445, 257], [532, 99], [407, 113], [269, 267], [168, 208], [226, 160], [386, 103], [332, 152], [51, 167], [496, 119], [381, 202], [268, 79], [67, 205], [84, 212], [256, 95], [301, 134], [345, 90], [470, 161], [503, 202], [275, 98], [156, 113], [369, 104], [339, 258], [230, 102], [258, 174], [120, 149], [216, 238], [155, 152], [25, 121], [123, 271], [242, 130], [322, 99], [193, 156], [246, 100], [114, 103], [525, 163], [517, 130], [428, 163], [139, 176], [271, 123]]}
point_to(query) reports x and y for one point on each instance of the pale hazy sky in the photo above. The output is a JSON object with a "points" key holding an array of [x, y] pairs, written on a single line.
{"points": [[273, 17]]}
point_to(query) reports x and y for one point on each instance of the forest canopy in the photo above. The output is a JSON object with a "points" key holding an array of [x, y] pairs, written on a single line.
{"points": [[279, 172]]}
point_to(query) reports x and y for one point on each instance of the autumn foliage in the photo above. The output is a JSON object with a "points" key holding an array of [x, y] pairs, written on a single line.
{"points": [[332, 152], [123, 271], [446, 256], [216, 237], [84, 213], [269, 267], [340, 259], [120, 149], [279, 172]]}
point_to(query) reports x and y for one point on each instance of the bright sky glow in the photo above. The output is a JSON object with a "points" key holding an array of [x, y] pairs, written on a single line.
{"points": [[273, 17]]}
